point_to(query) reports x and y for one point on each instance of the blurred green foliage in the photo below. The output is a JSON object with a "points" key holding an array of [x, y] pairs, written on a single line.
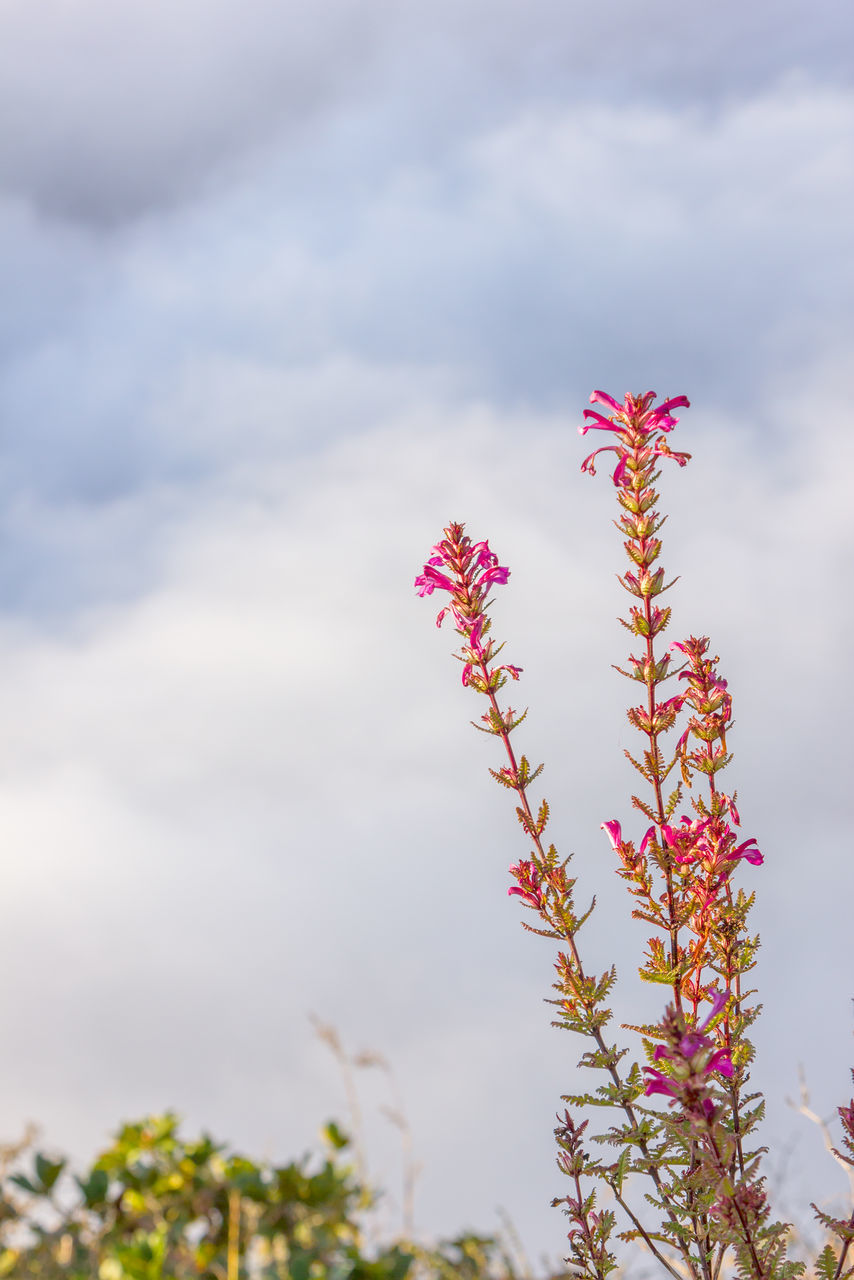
{"points": [[155, 1206]]}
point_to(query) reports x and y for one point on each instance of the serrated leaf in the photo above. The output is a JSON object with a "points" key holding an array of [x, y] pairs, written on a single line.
{"points": [[642, 805], [825, 1263], [640, 768]]}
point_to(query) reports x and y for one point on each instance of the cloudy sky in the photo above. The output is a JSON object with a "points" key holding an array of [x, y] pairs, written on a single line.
{"points": [[287, 287]]}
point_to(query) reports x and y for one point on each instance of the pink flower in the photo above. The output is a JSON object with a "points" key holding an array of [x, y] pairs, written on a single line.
{"points": [[602, 397], [693, 1041], [718, 1002], [587, 464], [635, 413], [484, 558], [678, 402], [659, 1083], [466, 571], [528, 888], [686, 840], [430, 579], [694, 1057], [599, 423], [650, 835], [638, 424], [722, 1062], [754, 857], [615, 833]]}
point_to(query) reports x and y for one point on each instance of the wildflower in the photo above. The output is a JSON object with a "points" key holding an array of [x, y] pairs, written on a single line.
{"points": [[615, 833], [686, 840], [430, 579], [647, 840], [753, 856], [528, 888], [635, 412], [693, 1057], [639, 424], [467, 571]]}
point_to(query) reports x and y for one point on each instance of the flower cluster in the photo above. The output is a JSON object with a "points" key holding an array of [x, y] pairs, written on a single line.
{"points": [[692, 1056], [467, 571], [640, 427], [711, 700], [529, 883]]}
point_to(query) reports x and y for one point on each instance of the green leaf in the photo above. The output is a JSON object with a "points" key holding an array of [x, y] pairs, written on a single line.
{"points": [[24, 1183], [95, 1188], [825, 1263], [335, 1137], [620, 1170], [47, 1171], [299, 1265]]}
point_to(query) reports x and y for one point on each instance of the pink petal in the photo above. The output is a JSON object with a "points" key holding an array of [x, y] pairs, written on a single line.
{"points": [[430, 579], [602, 397], [659, 1084], [754, 856], [719, 999], [615, 832], [645, 842], [721, 1061], [678, 402], [620, 469], [601, 424], [587, 464], [532, 899]]}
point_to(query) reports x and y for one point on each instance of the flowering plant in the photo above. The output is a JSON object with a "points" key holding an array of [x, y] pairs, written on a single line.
{"points": [[696, 1157]]}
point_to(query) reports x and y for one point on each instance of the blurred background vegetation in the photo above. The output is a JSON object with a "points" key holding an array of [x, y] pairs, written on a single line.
{"points": [[157, 1206]]}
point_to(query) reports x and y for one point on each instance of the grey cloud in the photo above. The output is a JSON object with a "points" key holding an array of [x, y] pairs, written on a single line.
{"points": [[111, 112], [575, 245]]}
